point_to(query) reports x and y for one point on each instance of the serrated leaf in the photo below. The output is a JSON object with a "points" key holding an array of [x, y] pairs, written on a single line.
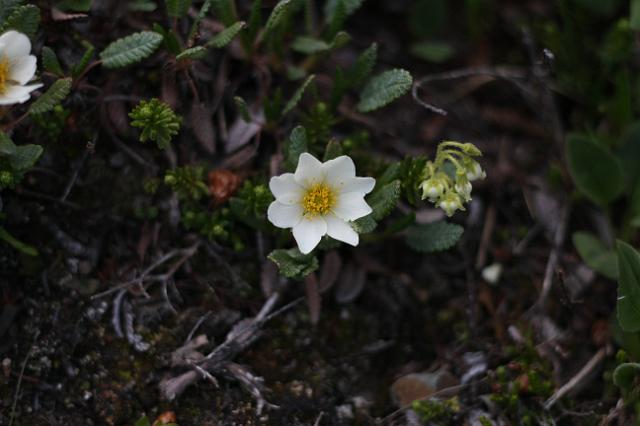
{"points": [[350, 6], [297, 145], [7, 7], [364, 225], [130, 49], [384, 199], [596, 255], [25, 156], [84, 61], [332, 150], [225, 11], [276, 18], [384, 88], [297, 96], [628, 307], [52, 97], [363, 66], [50, 61], [309, 45], [24, 19], [178, 8], [197, 52], [596, 172], [202, 13], [225, 36], [293, 264], [7, 147], [433, 237], [625, 374], [242, 108]]}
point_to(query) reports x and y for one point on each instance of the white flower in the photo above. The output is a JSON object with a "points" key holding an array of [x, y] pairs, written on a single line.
{"points": [[17, 68], [320, 199], [433, 187], [475, 172], [450, 202], [463, 188]]}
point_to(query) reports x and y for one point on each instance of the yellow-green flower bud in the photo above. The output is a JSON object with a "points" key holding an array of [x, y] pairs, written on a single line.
{"points": [[433, 187], [450, 202], [463, 188], [474, 171]]}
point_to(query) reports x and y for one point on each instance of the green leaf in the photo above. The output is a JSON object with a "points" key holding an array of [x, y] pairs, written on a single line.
{"points": [[634, 19], [243, 109], [142, 6], [157, 120], [130, 49], [293, 264], [197, 52], [363, 66], [350, 6], [337, 19], [7, 7], [25, 156], [225, 36], [432, 51], [384, 199], [50, 61], [84, 61], [52, 97], [24, 19], [332, 150], [628, 154], [143, 421], [17, 244], [297, 96], [169, 39], [625, 375], [595, 171], [255, 19], [296, 146], [7, 147], [225, 11], [178, 8], [277, 17], [384, 88], [74, 5], [202, 13], [364, 225], [596, 255], [628, 308], [435, 236], [309, 45]]}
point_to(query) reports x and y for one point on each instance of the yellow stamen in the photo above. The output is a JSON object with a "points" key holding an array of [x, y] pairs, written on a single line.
{"points": [[319, 199], [4, 74]]}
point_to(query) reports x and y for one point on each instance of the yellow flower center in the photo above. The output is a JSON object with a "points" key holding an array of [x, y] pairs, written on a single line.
{"points": [[319, 199], [4, 73]]}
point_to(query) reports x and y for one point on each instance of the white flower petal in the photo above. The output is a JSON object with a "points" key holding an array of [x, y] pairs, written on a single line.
{"points": [[363, 185], [309, 171], [14, 44], [22, 69], [340, 230], [14, 94], [286, 189], [351, 206], [284, 216], [309, 232], [339, 170]]}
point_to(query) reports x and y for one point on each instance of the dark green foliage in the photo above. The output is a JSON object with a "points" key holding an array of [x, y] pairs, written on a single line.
{"points": [[435, 236], [187, 182], [157, 121], [293, 264]]}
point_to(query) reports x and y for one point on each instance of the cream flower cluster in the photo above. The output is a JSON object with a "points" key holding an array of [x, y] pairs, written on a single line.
{"points": [[320, 199], [440, 188], [17, 68]]}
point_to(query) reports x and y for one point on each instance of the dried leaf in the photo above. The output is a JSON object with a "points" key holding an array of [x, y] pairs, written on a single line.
{"points": [[314, 300], [242, 132], [350, 284], [202, 126], [331, 266], [223, 184]]}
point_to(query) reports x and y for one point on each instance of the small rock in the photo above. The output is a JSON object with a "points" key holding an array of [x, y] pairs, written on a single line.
{"points": [[416, 386]]}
